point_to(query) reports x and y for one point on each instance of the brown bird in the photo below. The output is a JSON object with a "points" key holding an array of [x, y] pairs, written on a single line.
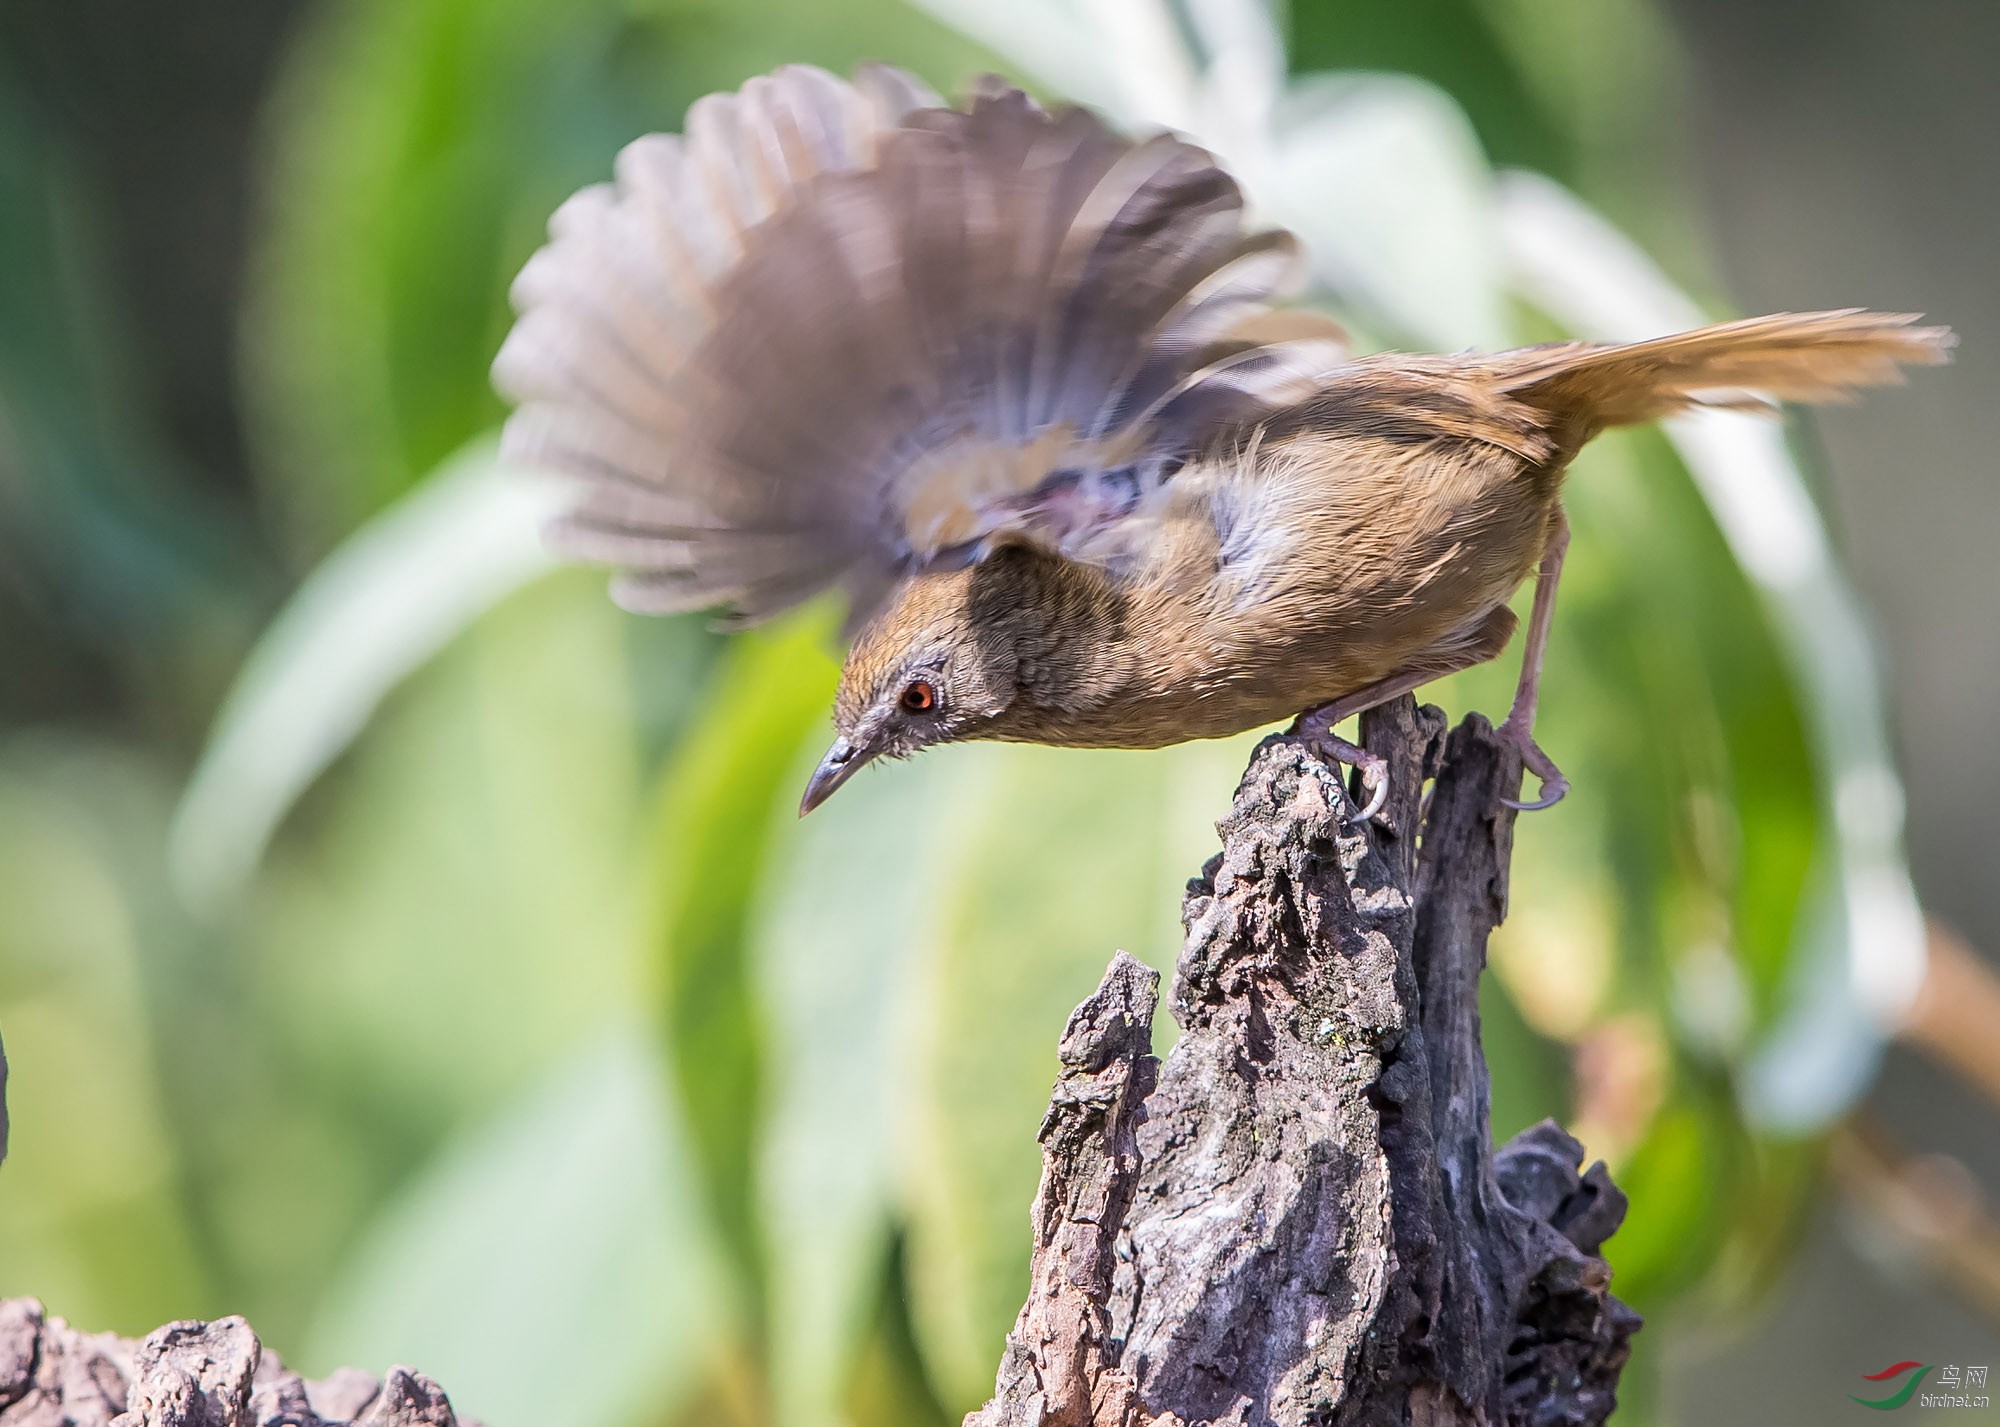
{"points": [[1019, 387]]}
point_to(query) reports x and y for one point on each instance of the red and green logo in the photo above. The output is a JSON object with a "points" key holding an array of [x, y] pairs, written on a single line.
{"points": [[1901, 1395]]}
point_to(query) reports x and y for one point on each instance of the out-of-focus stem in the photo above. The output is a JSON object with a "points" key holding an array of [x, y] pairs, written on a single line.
{"points": [[1929, 1203], [1956, 1017]]}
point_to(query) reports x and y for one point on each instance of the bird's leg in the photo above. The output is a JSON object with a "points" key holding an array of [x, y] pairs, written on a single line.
{"points": [[1519, 726], [1486, 641], [1317, 724]]}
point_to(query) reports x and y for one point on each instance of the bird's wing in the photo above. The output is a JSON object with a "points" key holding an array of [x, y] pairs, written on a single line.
{"points": [[835, 332]]}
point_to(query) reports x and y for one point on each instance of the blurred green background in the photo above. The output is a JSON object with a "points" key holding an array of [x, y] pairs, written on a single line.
{"points": [[404, 948]]}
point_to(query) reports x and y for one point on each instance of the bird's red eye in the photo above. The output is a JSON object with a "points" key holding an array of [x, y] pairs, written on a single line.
{"points": [[918, 697]]}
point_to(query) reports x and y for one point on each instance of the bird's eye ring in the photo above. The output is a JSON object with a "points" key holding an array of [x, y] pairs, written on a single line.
{"points": [[918, 697]]}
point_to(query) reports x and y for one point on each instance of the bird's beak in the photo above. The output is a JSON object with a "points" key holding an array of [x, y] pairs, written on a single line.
{"points": [[842, 761]]}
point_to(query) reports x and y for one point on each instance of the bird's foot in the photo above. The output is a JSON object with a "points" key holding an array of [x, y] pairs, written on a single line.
{"points": [[1554, 784], [1374, 768]]}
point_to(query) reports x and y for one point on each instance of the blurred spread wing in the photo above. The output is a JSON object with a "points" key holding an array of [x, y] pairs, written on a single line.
{"points": [[836, 332]]}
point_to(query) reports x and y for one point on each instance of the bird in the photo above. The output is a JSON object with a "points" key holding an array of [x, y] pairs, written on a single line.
{"points": [[1031, 395]]}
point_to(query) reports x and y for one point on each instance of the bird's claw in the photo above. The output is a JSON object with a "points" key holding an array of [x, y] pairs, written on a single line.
{"points": [[1374, 769], [1554, 784]]}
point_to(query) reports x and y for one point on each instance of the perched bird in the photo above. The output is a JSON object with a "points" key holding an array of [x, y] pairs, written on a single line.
{"points": [[1021, 387]]}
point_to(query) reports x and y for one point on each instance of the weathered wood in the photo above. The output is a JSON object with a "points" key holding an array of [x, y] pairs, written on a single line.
{"points": [[1058, 1351], [188, 1375], [1306, 1218]]}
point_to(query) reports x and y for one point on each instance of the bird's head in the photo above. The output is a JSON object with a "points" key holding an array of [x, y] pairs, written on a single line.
{"points": [[939, 664]]}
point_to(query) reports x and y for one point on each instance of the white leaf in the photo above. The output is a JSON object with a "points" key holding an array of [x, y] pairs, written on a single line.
{"points": [[1244, 75], [1056, 43], [1140, 43], [382, 604], [1864, 956], [1384, 179]]}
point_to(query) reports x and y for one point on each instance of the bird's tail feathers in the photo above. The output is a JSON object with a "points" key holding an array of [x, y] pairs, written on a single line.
{"points": [[1787, 356]]}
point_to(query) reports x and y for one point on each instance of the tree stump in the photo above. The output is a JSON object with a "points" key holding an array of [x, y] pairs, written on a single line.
{"points": [[1299, 1219]]}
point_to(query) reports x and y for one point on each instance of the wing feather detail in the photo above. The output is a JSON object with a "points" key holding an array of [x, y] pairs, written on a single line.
{"points": [[835, 331]]}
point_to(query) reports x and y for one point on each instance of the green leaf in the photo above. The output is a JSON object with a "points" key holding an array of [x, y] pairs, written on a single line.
{"points": [[1678, 1183], [417, 146], [92, 1216], [478, 856], [551, 1266], [729, 786], [852, 905]]}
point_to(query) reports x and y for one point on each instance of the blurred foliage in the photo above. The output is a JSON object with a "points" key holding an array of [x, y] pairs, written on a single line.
{"points": [[543, 1007], [119, 580], [418, 148]]}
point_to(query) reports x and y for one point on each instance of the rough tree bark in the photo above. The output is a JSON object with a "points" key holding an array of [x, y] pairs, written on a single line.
{"points": [[188, 1375], [1299, 1220]]}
